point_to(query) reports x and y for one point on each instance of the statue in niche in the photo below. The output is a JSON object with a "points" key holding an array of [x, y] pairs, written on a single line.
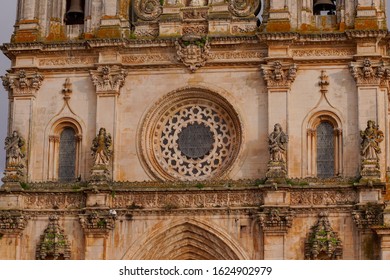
{"points": [[371, 137], [101, 148], [277, 141], [14, 146]]}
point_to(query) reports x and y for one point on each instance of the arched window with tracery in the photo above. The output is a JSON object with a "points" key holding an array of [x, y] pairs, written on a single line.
{"points": [[64, 151], [324, 147]]}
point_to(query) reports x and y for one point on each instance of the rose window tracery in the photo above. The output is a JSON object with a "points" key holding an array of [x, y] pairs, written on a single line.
{"points": [[191, 136]]}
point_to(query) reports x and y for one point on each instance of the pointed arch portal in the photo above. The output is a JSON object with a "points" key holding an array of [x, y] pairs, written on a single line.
{"points": [[187, 240]]}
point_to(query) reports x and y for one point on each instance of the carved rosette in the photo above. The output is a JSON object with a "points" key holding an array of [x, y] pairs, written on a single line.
{"points": [[22, 83], [193, 51], [97, 223], [368, 73], [53, 244], [108, 79], [368, 215], [148, 10], [243, 8], [12, 222], [322, 242], [275, 219], [278, 75]]}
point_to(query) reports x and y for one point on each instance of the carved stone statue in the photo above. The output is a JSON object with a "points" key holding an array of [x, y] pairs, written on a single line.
{"points": [[370, 150], [277, 145], [277, 141], [371, 137], [101, 148], [14, 145]]}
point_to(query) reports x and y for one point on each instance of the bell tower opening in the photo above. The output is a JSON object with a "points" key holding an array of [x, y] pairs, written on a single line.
{"points": [[74, 12], [324, 7]]}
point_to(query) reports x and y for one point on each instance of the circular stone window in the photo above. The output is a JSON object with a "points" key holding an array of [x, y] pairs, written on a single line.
{"points": [[191, 134]]}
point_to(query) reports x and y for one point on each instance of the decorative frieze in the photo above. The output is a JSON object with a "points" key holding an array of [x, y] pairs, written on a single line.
{"points": [[22, 83], [12, 222], [53, 244], [322, 242], [66, 61], [108, 79], [193, 51], [318, 52], [324, 197], [278, 75], [54, 200]]}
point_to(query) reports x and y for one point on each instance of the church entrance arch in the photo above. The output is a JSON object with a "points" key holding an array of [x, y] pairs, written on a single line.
{"points": [[186, 239]]}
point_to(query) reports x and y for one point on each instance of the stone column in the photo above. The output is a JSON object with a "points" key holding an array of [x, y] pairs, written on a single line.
{"points": [[275, 219], [371, 77], [108, 81], [23, 86], [27, 27], [97, 225], [279, 74]]}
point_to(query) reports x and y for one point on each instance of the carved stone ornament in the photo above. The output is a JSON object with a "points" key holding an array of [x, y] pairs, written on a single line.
{"points": [[53, 244], [148, 9], [278, 75], [322, 242], [22, 83], [12, 222], [370, 150], [193, 51], [98, 223], [102, 153], [243, 8], [67, 89], [275, 219], [108, 79], [15, 147], [324, 82], [367, 73], [277, 146], [368, 215]]}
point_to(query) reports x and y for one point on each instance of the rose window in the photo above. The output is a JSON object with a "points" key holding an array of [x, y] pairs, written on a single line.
{"points": [[191, 137]]}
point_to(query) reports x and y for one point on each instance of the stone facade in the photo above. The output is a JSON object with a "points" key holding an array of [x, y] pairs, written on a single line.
{"points": [[197, 130]]}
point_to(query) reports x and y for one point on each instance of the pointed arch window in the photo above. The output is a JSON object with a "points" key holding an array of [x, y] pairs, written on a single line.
{"points": [[324, 146]]}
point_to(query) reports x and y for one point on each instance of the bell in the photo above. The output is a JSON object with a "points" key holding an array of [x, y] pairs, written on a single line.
{"points": [[324, 5], [75, 14]]}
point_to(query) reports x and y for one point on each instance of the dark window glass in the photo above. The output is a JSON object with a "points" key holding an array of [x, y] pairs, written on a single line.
{"points": [[325, 150], [67, 156]]}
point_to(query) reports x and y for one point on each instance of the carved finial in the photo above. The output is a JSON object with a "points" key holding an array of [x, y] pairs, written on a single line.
{"points": [[67, 89], [324, 82]]}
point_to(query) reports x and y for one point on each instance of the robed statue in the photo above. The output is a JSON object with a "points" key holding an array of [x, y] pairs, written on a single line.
{"points": [[101, 148]]}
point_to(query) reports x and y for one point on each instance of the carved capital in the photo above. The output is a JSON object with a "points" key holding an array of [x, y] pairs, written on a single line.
{"points": [[275, 219], [98, 223], [322, 242], [192, 51], [367, 216], [12, 222], [278, 75], [22, 83], [368, 73], [108, 79]]}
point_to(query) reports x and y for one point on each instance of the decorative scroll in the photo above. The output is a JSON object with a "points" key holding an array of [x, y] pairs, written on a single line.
{"points": [[148, 9], [243, 8]]}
